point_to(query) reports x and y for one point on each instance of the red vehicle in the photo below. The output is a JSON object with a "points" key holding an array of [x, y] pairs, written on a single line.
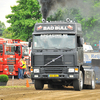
{"points": [[26, 51], [27, 54], [16, 40], [9, 57]]}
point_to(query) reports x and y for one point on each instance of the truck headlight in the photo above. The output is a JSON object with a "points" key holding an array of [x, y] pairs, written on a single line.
{"points": [[5, 69], [71, 70], [36, 70]]}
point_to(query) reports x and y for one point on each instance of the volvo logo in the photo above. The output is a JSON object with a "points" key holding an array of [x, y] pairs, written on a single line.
{"points": [[53, 60]]}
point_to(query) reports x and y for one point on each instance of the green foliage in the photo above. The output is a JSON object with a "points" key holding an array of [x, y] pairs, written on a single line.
{"points": [[2, 28], [7, 33], [23, 19], [3, 78]]}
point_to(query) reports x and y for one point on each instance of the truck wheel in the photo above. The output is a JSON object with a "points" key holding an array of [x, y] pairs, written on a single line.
{"points": [[92, 86], [38, 85], [78, 84]]}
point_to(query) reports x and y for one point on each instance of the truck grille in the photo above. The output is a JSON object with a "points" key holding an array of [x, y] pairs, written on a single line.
{"points": [[11, 61], [53, 70], [11, 67], [49, 58]]}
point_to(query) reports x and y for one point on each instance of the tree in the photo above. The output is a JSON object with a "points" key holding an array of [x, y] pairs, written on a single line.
{"points": [[23, 18], [7, 33], [2, 28]]}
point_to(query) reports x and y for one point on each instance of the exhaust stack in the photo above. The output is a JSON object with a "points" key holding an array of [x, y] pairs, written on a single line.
{"points": [[44, 20]]}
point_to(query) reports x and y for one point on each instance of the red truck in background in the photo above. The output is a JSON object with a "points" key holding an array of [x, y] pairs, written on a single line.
{"points": [[26, 51], [10, 53]]}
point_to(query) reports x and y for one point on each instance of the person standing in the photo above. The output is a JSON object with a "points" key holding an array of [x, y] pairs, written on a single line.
{"points": [[20, 69], [24, 67]]}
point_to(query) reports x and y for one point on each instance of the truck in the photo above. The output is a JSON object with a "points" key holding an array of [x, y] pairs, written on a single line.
{"points": [[26, 51], [10, 53], [27, 54], [57, 56], [87, 48], [93, 59]]}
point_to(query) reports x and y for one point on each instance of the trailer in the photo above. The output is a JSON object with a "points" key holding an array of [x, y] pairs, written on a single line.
{"points": [[93, 59]]}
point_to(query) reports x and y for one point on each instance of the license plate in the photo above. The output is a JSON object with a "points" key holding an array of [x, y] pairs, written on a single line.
{"points": [[53, 75]]}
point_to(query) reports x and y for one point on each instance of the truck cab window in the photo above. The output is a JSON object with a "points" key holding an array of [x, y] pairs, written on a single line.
{"points": [[25, 50], [17, 49], [9, 49]]}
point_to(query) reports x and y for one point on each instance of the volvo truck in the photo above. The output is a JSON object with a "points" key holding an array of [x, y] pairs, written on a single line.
{"points": [[57, 56]]}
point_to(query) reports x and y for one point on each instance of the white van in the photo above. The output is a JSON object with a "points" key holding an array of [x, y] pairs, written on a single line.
{"points": [[87, 48]]}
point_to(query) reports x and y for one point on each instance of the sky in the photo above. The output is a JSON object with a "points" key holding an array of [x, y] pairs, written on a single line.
{"points": [[5, 10]]}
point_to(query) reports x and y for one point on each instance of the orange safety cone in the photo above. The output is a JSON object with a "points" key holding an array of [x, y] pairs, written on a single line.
{"points": [[27, 84]]}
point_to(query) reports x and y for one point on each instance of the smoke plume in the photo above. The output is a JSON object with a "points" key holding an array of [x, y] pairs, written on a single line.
{"points": [[48, 7]]}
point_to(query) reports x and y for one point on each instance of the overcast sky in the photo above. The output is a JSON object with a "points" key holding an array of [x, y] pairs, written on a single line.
{"points": [[5, 9]]}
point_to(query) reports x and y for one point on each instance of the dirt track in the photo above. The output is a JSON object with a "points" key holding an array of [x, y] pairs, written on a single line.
{"points": [[29, 93]]}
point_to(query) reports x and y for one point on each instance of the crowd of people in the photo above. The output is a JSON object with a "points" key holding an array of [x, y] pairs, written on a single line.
{"points": [[21, 68]]}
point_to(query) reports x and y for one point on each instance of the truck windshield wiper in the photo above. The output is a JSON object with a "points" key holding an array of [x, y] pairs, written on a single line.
{"points": [[52, 48], [66, 48], [38, 48]]}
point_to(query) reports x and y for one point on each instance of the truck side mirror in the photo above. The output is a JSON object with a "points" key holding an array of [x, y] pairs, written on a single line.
{"points": [[29, 44], [1, 49], [81, 41]]}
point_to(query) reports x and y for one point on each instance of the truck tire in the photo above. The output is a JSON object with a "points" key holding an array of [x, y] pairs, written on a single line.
{"points": [[92, 86], [78, 84], [38, 85]]}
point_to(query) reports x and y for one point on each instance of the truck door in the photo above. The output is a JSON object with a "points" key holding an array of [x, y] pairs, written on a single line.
{"points": [[80, 50], [18, 53], [1, 57]]}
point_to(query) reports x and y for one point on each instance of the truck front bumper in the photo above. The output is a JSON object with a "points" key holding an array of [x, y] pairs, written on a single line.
{"points": [[55, 76]]}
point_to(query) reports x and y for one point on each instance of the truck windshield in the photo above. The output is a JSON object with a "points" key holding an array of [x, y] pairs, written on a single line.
{"points": [[52, 41], [9, 50]]}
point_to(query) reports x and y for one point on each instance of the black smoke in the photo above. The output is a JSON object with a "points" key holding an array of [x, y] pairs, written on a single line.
{"points": [[48, 7]]}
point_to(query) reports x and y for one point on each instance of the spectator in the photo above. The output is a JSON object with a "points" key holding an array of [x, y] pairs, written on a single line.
{"points": [[24, 67], [20, 69]]}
